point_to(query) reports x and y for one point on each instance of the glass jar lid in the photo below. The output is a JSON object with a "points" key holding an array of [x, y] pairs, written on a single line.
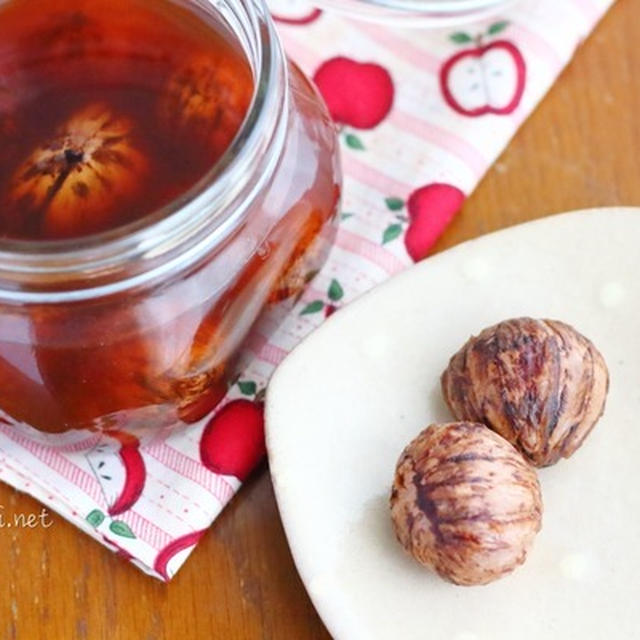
{"points": [[417, 13]]}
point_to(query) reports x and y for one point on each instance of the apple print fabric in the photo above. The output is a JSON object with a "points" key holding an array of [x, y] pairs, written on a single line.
{"points": [[486, 77], [421, 116]]}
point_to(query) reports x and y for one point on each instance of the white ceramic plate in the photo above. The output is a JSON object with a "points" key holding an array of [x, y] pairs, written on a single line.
{"points": [[344, 404]]}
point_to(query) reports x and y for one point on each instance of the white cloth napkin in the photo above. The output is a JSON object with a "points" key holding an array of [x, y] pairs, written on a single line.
{"points": [[422, 116]]}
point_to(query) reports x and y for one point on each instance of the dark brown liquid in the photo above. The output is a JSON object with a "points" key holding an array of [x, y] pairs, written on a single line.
{"points": [[125, 104], [109, 110]]}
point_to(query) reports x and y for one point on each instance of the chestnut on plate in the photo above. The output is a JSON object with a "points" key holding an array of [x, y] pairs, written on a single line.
{"points": [[538, 383], [465, 503]]}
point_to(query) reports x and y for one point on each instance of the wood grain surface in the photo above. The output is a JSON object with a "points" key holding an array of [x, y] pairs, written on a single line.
{"points": [[579, 149]]}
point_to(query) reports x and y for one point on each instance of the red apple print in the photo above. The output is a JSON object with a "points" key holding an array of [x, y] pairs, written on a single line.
{"points": [[232, 443], [357, 94], [296, 12], [430, 209], [119, 468], [162, 564], [485, 78]]}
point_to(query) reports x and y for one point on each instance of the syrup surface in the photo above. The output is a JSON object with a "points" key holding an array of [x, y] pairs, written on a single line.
{"points": [[109, 110]]}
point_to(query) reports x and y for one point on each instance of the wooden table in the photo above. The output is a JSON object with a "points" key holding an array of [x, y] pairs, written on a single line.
{"points": [[580, 149]]}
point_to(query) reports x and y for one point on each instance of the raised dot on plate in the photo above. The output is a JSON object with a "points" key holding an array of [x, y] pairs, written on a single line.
{"points": [[577, 566], [376, 346], [476, 269], [612, 294]]}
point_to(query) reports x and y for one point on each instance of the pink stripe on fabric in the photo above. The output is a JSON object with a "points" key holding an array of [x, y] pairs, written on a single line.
{"points": [[76, 447], [146, 530], [451, 142], [400, 47], [535, 43], [265, 350], [183, 496], [272, 354], [192, 470], [61, 465], [89, 441], [311, 293], [301, 55], [371, 177], [371, 251], [41, 482]]}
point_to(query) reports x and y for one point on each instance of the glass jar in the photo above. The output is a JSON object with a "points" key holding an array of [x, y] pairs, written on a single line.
{"points": [[140, 326], [418, 13]]}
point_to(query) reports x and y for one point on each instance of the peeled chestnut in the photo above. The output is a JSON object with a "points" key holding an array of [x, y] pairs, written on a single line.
{"points": [[465, 503], [207, 98], [87, 170], [538, 383]]}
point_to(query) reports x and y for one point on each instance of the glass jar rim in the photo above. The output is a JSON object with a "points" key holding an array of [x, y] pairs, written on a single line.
{"points": [[186, 228], [437, 6], [417, 13]]}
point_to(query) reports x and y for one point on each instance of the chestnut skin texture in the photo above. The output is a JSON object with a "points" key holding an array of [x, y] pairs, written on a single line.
{"points": [[538, 383], [465, 503]]}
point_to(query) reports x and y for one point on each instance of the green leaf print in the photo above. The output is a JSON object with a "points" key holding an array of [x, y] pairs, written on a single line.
{"points": [[336, 292], [248, 387], [394, 204], [391, 233], [121, 529], [353, 142], [95, 518], [497, 27], [312, 307], [460, 37]]}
